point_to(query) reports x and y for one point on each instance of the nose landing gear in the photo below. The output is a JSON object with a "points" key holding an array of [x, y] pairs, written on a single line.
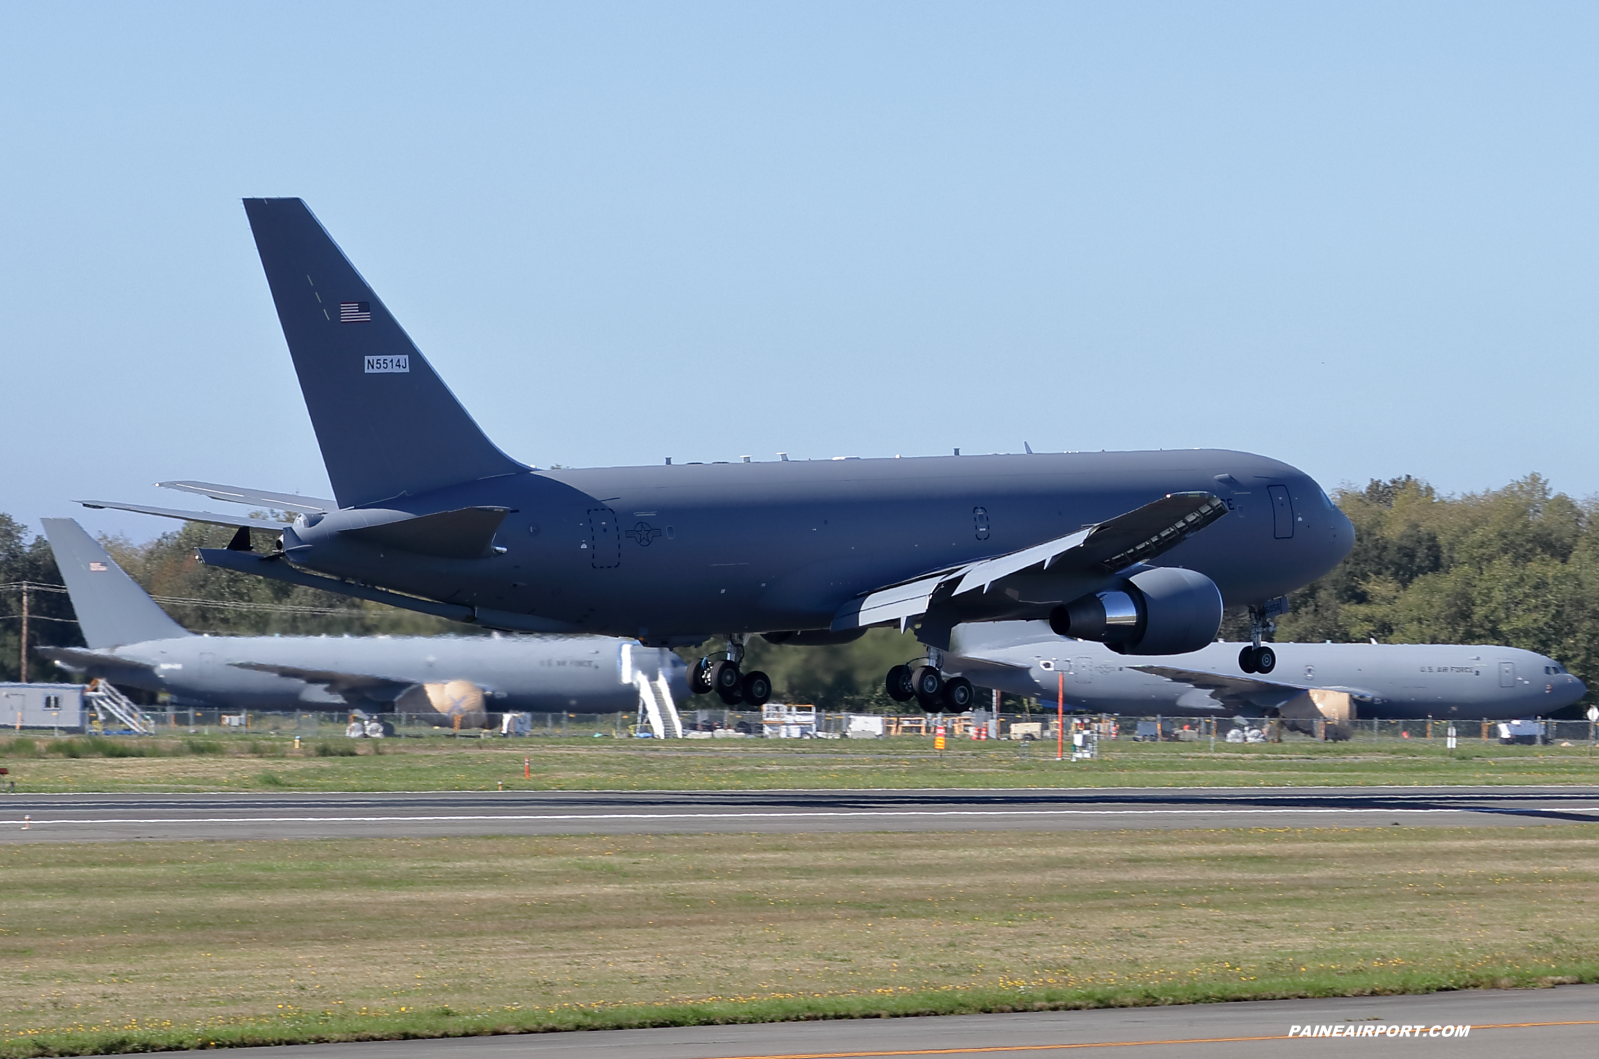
{"points": [[731, 684], [1259, 658]]}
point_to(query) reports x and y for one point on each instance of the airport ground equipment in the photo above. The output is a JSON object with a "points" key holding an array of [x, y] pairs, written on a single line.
{"points": [[53, 706], [109, 704], [1329, 682], [1138, 550], [448, 680]]}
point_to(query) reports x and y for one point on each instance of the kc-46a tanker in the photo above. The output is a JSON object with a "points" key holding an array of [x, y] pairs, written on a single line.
{"points": [[1137, 550]]}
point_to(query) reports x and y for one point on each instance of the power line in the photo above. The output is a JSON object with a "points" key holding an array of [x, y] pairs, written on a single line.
{"points": [[234, 604], [215, 604]]}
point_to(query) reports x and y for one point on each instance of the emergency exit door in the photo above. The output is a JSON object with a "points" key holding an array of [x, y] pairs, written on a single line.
{"points": [[1507, 674]]}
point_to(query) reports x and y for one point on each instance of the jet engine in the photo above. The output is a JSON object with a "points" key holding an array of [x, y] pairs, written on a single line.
{"points": [[1157, 611]]}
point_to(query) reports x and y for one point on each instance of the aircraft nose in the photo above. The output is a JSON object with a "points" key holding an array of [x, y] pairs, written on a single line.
{"points": [[1575, 691], [1343, 533], [1330, 529]]}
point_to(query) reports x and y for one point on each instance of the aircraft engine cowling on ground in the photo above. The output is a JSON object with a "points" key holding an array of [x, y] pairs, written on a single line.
{"points": [[1158, 611], [440, 704]]}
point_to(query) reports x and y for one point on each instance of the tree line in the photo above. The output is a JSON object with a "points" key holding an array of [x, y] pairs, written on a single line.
{"points": [[1517, 566]]}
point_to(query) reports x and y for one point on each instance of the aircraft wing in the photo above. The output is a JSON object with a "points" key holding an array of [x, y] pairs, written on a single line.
{"points": [[1137, 536], [348, 685], [211, 517], [234, 494], [1244, 688]]}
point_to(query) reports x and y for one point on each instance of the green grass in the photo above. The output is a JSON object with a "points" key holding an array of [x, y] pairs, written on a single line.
{"points": [[138, 946], [234, 762]]}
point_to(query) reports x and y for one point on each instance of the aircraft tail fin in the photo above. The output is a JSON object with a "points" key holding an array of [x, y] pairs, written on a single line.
{"points": [[112, 609], [387, 424]]}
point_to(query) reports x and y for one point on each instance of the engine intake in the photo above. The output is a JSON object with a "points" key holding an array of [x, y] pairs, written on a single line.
{"points": [[1159, 611]]}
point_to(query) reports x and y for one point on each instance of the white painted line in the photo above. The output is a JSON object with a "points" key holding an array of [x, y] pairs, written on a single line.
{"points": [[809, 815]]}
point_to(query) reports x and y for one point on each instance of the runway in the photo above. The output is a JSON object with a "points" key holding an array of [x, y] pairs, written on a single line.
{"points": [[119, 817], [1549, 1023]]}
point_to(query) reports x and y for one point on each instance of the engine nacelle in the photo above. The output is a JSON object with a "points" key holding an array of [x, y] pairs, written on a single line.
{"points": [[453, 704], [1159, 611]]}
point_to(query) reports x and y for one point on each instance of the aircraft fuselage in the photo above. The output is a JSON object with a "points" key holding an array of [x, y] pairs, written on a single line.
{"points": [[679, 552]]}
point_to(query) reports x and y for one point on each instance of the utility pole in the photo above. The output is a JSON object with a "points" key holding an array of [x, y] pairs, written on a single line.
{"points": [[22, 662]]}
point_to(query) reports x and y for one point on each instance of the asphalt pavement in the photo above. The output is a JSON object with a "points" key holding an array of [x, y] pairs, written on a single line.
{"points": [[1559, 1023], [113, 817]]}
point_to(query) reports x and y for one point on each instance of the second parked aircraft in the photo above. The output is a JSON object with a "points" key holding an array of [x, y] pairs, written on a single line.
{"points": [[132, 642]]}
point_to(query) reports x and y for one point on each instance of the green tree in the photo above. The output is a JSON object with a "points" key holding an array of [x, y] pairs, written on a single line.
{"points": [[50, 614]]}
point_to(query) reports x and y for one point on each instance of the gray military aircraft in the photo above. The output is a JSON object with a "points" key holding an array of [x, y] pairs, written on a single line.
{"points": [[1138, 550], [1333, 681], [132, 642]]}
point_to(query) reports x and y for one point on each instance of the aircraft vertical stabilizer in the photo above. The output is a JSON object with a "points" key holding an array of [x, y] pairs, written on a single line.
{"points": [[112, 610], [387, 424]]}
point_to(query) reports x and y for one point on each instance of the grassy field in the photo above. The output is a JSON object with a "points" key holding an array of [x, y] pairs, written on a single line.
{"points": [[137, 946], [214, 763]]}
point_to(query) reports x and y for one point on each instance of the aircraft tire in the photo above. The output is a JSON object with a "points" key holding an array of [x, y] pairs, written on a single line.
{"points": [[733, 699], [898, 684], [1265, 659], [756, 688], [928, 684], [727, 680], [958, 695], [699, 678], [1246, 660]]}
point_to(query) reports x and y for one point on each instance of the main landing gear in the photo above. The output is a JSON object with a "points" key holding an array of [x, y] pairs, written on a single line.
{"points": [[922, 681], [723, 676], [1258, 658]]}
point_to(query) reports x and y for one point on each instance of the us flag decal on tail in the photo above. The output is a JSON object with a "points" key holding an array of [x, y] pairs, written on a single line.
{"points": [[355, 312], [96, 567]]}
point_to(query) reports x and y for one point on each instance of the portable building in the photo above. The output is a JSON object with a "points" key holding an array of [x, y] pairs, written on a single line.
{"points": [[42, 706]]}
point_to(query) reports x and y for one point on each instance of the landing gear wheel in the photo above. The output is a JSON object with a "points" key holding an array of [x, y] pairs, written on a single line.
{"points": [[1257, 659], [899, 684], [756, 688], [726, 680], [928, 686], [958, 695], [699, 678]]}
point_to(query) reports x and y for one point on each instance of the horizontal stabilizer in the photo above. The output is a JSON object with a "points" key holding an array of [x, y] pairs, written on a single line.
{"points": [[209, 517], [386, 423], [81, 658], [464, 534], [236, 495], [112, 609]]}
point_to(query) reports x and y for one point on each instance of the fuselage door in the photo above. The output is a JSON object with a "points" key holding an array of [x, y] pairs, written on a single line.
{"points": [[1084, 670], [1282, 512], [1507, 674], [605, 539]]}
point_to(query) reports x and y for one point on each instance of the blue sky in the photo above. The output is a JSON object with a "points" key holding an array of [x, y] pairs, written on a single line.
{"points": [[1358, 237]]}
